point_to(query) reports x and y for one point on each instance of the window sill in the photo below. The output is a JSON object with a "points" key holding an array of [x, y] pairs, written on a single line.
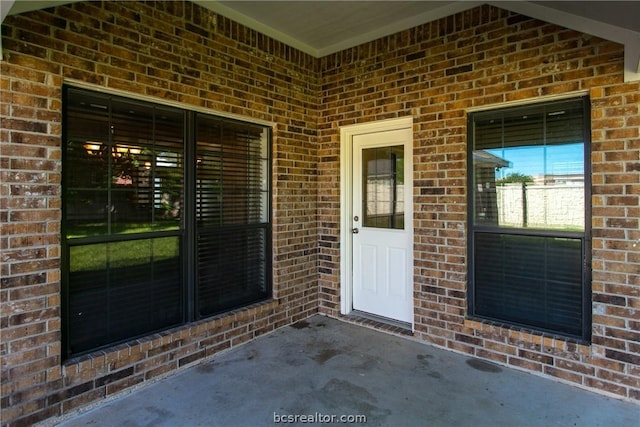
{"points": [[120, 354], [520, 336]]}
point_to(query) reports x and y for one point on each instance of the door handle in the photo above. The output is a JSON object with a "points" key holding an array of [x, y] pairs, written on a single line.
{"points": [[355, 231]]}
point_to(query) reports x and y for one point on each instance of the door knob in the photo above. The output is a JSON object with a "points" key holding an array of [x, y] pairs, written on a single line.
{"points": [[355, 231]]}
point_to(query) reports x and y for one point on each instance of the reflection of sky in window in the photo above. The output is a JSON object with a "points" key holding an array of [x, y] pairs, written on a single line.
{"points": [[541, 160]]}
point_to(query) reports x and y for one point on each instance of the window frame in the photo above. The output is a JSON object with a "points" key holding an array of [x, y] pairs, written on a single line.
{"points": [[186, 232], [473, 228]]}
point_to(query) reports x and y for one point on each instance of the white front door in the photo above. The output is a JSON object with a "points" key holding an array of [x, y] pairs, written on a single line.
{"points": [[382, 223]]}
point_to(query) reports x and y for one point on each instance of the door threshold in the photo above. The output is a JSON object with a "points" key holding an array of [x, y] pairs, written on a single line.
{"points": [[379, 322]]}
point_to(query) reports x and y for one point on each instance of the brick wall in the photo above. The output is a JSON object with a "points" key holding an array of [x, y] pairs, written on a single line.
{"points": [[436, 72], [177, 52], [169, 51]]}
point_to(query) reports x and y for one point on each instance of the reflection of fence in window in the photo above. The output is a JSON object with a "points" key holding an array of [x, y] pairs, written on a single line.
{"points": [[541, 206]]}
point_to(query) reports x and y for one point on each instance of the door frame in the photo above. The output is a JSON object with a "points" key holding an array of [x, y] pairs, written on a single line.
{"points": [[347, 134]]}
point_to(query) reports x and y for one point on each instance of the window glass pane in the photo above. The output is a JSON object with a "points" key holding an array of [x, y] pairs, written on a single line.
{"points": [[132, 123], [232, 174], [123, 166], [89, 170], [263, 213], [530, 280], [232, 210], [232, 268], [123, 289], [85, 168], [529, 168], [168, 188], [209, 172], [383, 187], [86, 212], [88, 117], [167, 169]]}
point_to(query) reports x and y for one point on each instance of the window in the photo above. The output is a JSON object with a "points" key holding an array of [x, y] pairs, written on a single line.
{"points": [[383, 187], [529, 217], [166, 217]]}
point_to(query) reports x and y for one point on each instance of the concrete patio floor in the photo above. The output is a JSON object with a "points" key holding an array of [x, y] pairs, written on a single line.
{"points": [[322, 368]]}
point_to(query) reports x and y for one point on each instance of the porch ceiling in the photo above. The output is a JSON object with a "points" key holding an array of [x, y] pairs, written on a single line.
{"points": [[320, 28]]}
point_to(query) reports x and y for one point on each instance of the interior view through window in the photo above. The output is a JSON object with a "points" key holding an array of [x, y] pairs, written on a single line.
{"points": [[166, 217], [530, 216]]}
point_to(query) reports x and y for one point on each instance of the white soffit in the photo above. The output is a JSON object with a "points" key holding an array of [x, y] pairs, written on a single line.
{"points": [[5, 7], [20, 6], [320, 28]]}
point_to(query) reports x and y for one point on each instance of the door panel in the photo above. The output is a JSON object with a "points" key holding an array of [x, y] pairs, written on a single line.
{"points": [[397, 260], [368, 258], [382, 224]]}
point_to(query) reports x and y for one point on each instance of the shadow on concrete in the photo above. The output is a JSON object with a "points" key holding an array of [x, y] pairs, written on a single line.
{"points": [[322, 369]]}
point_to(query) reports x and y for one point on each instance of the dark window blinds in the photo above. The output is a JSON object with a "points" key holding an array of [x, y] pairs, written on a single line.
{"points": [[231, 216], [530, 280]]}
